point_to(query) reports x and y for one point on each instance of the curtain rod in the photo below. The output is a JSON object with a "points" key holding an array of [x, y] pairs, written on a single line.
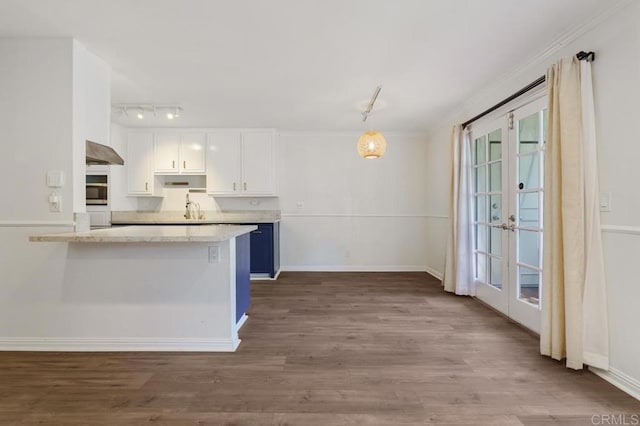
{"points": [[582, 55]]}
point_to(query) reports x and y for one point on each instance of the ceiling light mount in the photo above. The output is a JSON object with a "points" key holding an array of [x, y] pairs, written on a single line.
{"points": [[367, 111], [371, 144], [170, 111]]}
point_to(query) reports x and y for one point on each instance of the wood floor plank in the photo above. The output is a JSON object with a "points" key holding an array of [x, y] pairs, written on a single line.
{"points": [[323, 349]]}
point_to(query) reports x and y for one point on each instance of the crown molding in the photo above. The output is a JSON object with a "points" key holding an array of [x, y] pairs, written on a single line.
{"points": [[516, 73]]}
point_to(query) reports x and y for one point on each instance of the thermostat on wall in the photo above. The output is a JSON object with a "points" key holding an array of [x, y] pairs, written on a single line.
{"points": [[55, 179]]}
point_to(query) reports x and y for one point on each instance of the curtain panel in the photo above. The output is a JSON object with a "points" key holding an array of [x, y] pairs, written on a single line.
{"points": [[574, 315], [459, 266]]}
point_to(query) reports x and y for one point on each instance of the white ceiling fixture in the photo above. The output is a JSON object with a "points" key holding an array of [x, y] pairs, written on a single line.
{"points": [[299, 65], [371, 144], [170, 111]]}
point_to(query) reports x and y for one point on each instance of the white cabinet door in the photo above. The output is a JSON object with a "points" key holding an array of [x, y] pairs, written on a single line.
{"points": [[192, 152], [139, 163], [223, 163], [167, 152], [257, 163], [98, 218]]}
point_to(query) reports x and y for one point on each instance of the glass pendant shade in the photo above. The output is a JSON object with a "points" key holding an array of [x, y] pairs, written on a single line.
{"points": [[371, 145]]}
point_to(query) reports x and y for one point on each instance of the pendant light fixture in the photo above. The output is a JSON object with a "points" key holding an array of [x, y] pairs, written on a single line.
{"points": [[371, 144]]}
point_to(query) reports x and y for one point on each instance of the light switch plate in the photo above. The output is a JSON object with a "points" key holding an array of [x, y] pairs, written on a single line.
{"points": [[605, 201]]}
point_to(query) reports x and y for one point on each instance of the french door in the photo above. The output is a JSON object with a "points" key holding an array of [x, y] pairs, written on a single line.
{"points": [[507, 158]]}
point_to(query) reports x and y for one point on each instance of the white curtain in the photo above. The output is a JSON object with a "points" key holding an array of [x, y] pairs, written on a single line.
{"points": [[574, 309], [594, 309], [459, 275]]}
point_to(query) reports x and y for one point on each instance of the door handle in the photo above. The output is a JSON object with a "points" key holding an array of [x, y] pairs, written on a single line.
{"points": [[234, 186], [173, 164], [184, 164], [245, 186], [146, 186], [512, 218], [256, 232]]}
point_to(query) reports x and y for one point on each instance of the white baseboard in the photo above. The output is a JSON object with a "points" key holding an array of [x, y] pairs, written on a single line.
{"points": [[355, 268], [620, 380], [264, 277], [241, 322], [49, 344], [439, 275]]}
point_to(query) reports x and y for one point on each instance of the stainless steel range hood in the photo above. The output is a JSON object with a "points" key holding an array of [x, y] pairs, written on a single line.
{"points": [[102, 154]]}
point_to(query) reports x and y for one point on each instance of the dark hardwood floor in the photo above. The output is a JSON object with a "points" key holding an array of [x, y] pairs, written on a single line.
{"points": [[323, 349]]}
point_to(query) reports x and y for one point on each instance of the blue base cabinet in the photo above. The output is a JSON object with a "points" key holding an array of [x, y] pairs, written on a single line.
{"points": [[265, 249], [243, 276]]}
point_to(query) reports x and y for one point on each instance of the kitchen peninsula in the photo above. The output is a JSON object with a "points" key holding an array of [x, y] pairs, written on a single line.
{"points": [[265, 240], [153, 288]]}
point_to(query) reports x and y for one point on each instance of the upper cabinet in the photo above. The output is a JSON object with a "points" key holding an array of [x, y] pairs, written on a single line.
{"points": [[139, 163], [192, 152], [179, 152], [224, 163], [240, 163]]}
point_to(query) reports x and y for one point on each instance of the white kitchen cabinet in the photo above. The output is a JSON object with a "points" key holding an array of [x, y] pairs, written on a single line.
{"points": [[179, 152], [240, 163], [257, 163], [98, 216], [192, 152], [224, 163], [140, 164], [167, 152]]}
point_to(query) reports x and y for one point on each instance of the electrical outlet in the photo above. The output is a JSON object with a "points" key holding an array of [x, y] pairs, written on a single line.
{"points": [[214, 254], [300, 205]]}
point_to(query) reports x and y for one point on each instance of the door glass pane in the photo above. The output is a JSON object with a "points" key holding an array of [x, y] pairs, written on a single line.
{"points": [[481, 208], [481, 267], [495, 240], [481, 238], [529, 285], [529, 209], [495, 276], [528, 133], [528, 248], [479, 154], [495, 176], [481, 179], [528, 171], [495, 145], [495, 207]]}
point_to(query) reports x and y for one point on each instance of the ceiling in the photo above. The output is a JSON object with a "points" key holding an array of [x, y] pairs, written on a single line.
{"points": [[302, 64]]}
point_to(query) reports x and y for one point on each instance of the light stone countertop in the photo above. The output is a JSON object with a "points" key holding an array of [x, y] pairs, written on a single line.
{"points": [[150, 234], [210, 217]]}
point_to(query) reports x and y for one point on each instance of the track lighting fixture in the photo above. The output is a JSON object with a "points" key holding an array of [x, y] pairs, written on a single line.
{"points": [[170, 111]]}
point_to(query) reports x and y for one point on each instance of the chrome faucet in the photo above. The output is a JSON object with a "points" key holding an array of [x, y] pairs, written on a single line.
{"points": [[192, 210]]}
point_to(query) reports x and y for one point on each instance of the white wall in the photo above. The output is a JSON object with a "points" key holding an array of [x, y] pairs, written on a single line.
{"points": [[616, 74], [35, 126], [39, 131], [341, 212]]}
